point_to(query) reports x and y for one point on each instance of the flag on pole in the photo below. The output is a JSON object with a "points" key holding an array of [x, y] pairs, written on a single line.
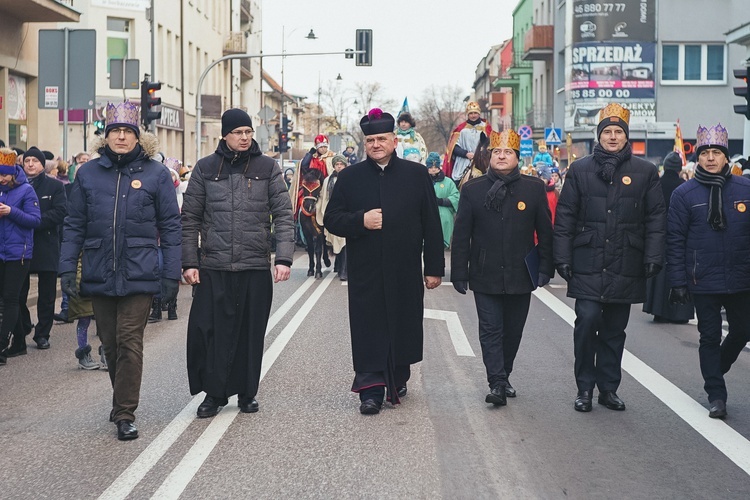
{"points": [[404, 107], [678, 145]]}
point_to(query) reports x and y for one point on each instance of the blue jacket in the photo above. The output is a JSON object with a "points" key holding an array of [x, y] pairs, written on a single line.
{"points": [[117, 217], [17, 228], [705, 260]]}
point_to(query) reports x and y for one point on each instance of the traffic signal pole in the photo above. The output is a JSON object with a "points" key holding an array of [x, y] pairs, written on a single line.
{"points": [[199, 107], [744, 109]]}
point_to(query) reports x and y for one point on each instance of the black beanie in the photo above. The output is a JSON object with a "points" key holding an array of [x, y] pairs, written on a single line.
{"points": [[234, 118], [612, 121], [36, 153], [673, 161]]}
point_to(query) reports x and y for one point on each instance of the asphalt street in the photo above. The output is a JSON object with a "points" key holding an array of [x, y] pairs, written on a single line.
{"points": [[309, 441]]}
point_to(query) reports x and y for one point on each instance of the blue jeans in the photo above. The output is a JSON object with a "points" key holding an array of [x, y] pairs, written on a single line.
{"points": [[716, 357], [501, 322]]}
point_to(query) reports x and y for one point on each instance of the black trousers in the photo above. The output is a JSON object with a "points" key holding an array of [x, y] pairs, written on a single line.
{"points": [[12, 275], [372, 385], [45, 307], [501, 322], [598, 343], [716, 357]]}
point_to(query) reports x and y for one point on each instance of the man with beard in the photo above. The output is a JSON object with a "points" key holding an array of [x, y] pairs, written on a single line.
{"points": [[232, 198], [707, 230], [386, 209], [609, 237]]}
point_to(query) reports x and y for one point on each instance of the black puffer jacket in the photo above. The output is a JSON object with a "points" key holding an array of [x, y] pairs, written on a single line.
{"points": [[229, 201], [607, 232]]}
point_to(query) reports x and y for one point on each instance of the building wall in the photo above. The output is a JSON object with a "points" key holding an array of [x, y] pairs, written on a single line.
{"points": [[523, 98]]}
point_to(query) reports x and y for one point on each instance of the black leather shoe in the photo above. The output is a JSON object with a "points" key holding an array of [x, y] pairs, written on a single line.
{"points": [[401, 391], [210, 406], [370, 407], [126, 430], [583, 401], [611, 401], [247, 405], [42, 343], [509, 390], [62, 317], [497, 396], [718, 409]]}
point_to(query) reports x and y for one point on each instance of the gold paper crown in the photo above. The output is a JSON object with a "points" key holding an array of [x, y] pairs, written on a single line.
{"points": [[8, 159], [473, 107], [614, 112], [508, 138]]}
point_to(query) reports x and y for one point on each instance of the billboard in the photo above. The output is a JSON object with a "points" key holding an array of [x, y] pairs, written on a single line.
{"points": [[610, 57]]}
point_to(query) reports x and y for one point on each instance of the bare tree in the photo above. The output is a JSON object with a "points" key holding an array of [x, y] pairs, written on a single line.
{"points": [[367, 95], [440, 110]]}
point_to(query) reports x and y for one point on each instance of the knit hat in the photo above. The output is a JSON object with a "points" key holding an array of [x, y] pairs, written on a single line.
{"points": [[376, 122], [673, 161], [433, 159], [7, 161], [172, 163], [406, 117], [339, 158], [320, 141], [412, 154], [234, 118], [613, 114], [715, 137], [123, 114], [36, 153]]}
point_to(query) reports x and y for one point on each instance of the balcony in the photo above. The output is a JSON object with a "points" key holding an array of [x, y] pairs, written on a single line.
{"points": [[539, 118], [520, 66], [39, 11], [538, 43], [245, 69], [497, 101], [245, 15]]}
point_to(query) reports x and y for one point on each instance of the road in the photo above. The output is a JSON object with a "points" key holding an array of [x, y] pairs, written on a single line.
{"points": [[309, 441]]}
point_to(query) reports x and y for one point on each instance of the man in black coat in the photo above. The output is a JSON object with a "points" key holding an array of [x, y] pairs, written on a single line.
{"points": [[386, 209], [46, 255], [498, 215], [609, 237]]}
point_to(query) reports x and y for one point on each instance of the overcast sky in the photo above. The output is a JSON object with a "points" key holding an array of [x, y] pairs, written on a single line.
{"points": [[417, 44]]}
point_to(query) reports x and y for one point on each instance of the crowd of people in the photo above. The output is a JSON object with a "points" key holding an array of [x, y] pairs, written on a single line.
{"points": [[123, 227]]}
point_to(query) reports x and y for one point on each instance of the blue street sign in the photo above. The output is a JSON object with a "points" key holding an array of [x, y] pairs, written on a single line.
{"points": [[527, 147], [552, 135], [525, 132]]}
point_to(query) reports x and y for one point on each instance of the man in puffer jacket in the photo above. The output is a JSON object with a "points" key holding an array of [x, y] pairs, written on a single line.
{"points": [[121, 204], [231, 200], [609, 237], [708, 234]]}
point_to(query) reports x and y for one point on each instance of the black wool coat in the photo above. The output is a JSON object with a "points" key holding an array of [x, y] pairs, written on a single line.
{"points": [[489, 247], [386, 288], [607, 232], [52, 204]]}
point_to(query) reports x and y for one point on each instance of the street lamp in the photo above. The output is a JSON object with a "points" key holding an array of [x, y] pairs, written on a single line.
{"points": [[310, 36]]}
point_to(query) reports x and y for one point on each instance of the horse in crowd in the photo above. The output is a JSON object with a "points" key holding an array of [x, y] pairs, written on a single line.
{"points": [[312, 231]]}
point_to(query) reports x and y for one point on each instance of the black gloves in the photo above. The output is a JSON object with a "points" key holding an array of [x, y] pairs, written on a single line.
{"points": [[68, 284], [543, 279], [679, 295], [651, 269], [461, 286], [169, 289], [444, 202], [313, 151], [565, 271]]}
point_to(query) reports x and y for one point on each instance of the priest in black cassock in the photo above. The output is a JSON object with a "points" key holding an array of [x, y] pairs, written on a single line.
{"points": [[386, 209]]}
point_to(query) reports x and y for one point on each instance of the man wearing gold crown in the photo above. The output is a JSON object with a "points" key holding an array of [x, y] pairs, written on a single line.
{"points": [[463, 142], [122, 206], [609, 237], [498, 216], [707, 231], [386, 209]]}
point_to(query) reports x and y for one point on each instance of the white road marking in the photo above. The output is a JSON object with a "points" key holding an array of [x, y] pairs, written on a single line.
{"points": [[458, 336], [180, 477], [728, 441], [136, 471]]}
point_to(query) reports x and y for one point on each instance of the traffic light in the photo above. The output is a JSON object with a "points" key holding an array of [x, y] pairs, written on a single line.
{"points": [[149, 101], [364, 43], [742, 109], [99, 124], [285, 125], [283, 142]]}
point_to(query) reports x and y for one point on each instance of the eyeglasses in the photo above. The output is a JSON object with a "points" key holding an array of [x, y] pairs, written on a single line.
{"points": [[122, 130], [240, 133]]}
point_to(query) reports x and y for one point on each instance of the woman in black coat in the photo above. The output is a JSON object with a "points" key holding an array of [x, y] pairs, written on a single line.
{"points": [[657, 288]]}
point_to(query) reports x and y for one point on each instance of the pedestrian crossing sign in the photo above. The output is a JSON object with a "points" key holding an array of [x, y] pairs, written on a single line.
{"points": [[552, 135]]}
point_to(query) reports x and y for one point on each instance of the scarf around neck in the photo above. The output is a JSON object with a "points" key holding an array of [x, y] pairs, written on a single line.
{"points": [[408, 132], [496, 194], [715, 182], [118, 160], [609, 162]]}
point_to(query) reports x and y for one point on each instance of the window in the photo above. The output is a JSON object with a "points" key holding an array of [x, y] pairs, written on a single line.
{"points": [[118, 39], [693, 64]]}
